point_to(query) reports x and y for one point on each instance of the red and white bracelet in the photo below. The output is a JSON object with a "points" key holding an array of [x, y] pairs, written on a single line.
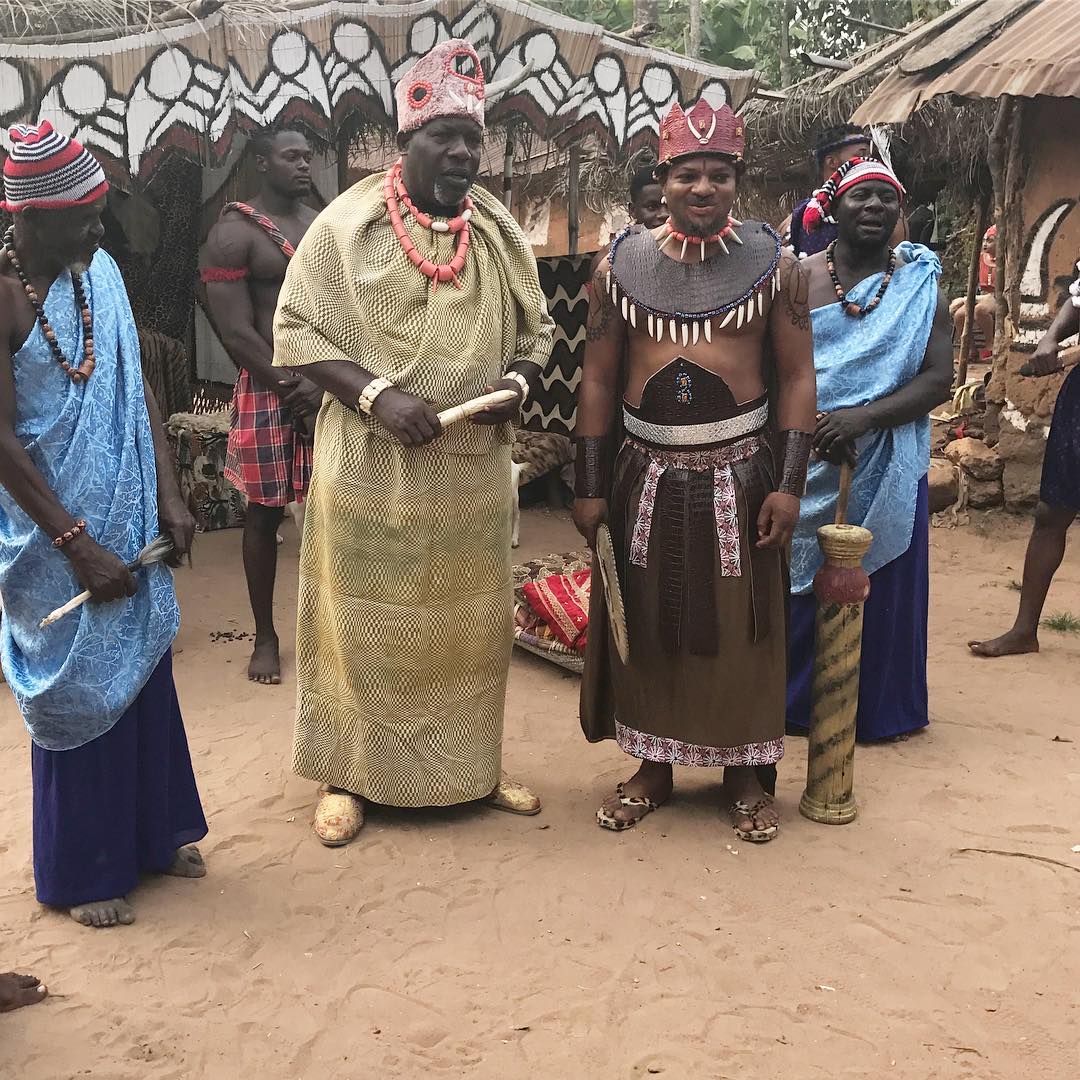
{"points": [[66, 538]]}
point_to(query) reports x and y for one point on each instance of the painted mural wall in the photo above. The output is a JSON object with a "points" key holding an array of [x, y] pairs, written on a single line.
{"points": [[1024, 406]]}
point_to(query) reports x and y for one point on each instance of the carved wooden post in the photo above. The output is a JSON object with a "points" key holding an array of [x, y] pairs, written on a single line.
{"points": [[841, 587]]}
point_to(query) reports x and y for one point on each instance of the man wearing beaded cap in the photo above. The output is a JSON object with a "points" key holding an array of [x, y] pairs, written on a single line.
{"points": [[408, 296], [883, 356], [677, 413], [86, 481]]}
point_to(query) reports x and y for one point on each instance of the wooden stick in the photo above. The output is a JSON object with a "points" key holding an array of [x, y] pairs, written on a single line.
{"points": [[470, 408], [154, 552], [845, 494], [971, 295]]}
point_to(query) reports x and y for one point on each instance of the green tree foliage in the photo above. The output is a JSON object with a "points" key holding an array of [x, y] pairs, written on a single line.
{"points": [[746, 33]]}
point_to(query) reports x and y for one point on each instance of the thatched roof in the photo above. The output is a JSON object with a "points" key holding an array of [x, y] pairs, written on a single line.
{"points": [[944, 140], [46, 21], [136, 79]]}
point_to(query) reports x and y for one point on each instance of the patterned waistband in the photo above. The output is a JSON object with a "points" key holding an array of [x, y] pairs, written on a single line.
{"points": [[719, 431], [718, 461], [700, 460]]}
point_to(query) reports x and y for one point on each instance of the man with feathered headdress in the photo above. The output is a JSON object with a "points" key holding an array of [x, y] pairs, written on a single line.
{"points": [[691, 457], [412, 292]]}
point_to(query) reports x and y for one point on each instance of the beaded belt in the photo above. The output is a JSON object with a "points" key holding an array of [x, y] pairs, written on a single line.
{"points": [[697, 434], [725, 505]]}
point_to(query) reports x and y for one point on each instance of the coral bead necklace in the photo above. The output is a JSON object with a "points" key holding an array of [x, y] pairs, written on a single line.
{"points": [[86, 368], [395, 194]]}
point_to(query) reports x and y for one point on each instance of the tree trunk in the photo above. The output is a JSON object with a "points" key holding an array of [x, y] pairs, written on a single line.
{"points": [[785, 43], [693, 44], [646, 11]]}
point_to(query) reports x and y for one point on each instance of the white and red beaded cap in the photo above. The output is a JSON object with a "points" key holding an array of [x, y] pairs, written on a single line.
{"points": [[702, 130], [449, 81]]}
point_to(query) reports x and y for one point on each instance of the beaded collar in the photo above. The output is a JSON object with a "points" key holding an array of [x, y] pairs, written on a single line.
{"points": [[682, 299]]}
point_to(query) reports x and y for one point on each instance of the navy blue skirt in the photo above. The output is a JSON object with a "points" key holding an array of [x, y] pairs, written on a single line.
{"points": [[1061, 464], [117, 807], [892, 680]]}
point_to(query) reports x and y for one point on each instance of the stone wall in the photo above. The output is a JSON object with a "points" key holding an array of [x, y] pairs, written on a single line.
{"points": [[1022, 407]]}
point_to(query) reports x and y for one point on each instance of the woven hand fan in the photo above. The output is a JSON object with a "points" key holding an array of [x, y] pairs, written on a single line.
{"points": [[612, 592]]}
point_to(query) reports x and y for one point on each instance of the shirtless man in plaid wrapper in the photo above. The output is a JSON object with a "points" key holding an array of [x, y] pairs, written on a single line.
{"points": [[273, 419]]}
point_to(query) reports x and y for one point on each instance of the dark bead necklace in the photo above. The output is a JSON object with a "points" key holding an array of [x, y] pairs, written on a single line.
{"points": [[86, 368], [849, 306]]}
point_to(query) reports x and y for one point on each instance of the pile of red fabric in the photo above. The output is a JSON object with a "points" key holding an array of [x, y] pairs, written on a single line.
{"points": [[561, 603]]}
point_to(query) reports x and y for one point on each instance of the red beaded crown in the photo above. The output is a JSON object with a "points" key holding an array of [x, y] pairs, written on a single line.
{"points": [[702, 130]]}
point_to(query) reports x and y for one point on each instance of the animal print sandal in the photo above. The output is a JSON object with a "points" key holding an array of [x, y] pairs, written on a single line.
{"points": [[741, 811], [641, 802]]}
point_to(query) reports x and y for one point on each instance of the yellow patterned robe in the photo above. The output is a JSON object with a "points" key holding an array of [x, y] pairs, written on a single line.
{"points": [[404, 619]]}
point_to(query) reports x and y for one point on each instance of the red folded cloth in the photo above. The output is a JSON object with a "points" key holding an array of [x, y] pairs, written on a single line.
{"points": [[562, 601]]}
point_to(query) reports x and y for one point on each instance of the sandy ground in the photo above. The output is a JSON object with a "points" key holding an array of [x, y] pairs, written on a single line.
{"points": [[475, 944]]}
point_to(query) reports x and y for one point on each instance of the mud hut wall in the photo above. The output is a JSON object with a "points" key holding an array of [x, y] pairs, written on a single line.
{"points": [[1051, 245]]}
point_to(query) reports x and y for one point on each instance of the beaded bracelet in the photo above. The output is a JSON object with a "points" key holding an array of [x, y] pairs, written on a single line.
{"points": [[366, 401], [67, 537]]}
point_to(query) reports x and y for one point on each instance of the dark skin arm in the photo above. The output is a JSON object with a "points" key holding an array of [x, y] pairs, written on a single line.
{"points": [[793, 346], [409, 419], [229, 247], [834, 439], [1066, 323], [598, 392], [98, 570], [174, 518]]}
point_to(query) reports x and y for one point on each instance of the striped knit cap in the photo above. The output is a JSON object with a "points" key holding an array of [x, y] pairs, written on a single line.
{"points": [[854, 171], [48, 170]]}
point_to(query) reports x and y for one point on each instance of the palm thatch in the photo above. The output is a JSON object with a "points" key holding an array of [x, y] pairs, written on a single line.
{"points": [[945, 142], [45, 21]]}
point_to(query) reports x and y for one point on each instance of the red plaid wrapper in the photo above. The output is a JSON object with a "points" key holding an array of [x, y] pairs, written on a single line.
{"points": [[268, 460]]}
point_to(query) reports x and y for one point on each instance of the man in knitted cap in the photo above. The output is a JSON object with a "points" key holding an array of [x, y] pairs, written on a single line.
{"points": [[883, 355], [86, 481], [411, 293], [832, 148], [691, 455]]}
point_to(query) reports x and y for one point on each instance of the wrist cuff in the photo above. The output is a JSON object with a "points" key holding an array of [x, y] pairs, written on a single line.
{"points": [[591, 466], [366, 402], [795, 449]]}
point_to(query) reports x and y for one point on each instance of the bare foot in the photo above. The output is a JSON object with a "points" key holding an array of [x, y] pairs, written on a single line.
{"points": [[265, 665], [19, 990], [1012, 643], [652, 781], [102, 913], [187, 863], [753, 816]]}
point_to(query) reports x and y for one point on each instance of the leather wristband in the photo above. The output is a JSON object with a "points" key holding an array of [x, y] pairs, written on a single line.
{"points": [[591, 466], [796, 447]]}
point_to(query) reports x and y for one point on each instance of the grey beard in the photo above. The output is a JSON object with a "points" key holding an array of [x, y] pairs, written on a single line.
{"points": [[443, 196], [78, 267]]}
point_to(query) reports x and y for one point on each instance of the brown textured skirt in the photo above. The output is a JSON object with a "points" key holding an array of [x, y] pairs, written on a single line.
{"points": [[705, 613]]}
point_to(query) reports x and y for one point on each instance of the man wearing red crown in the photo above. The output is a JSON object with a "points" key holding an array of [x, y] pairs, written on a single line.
{"points": [[411, 293], [693, 430]]}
